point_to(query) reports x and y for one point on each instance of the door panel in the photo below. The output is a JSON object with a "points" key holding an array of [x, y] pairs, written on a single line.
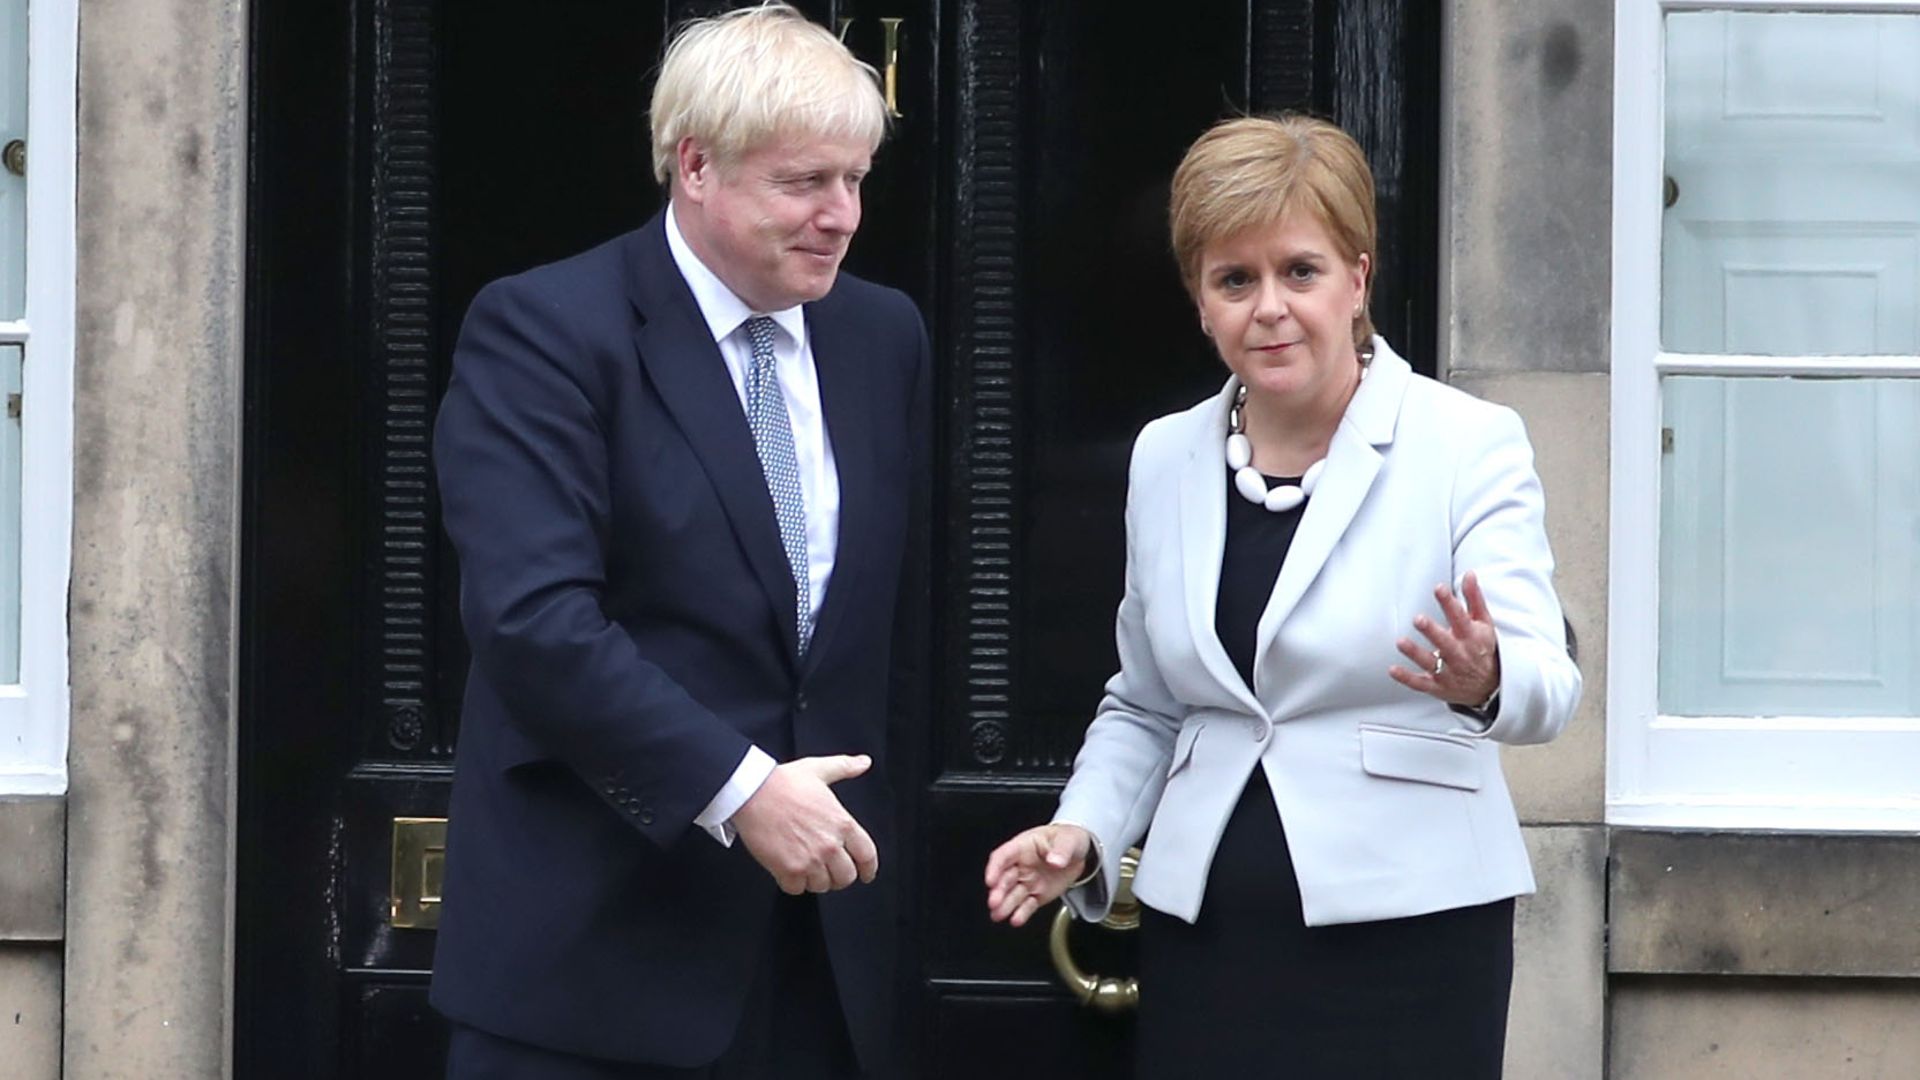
{"points": [[408, 151], [1067, 328]]}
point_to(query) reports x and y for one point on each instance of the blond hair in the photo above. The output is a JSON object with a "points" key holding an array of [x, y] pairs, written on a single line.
{"points": [[741, 79], [1252, 171]]}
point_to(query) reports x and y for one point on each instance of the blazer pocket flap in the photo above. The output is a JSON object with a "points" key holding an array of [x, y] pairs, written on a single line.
{"points": [[1183, 746], [1428, 757]]}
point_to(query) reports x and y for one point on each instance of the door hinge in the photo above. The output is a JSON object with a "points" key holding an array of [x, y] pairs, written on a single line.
{"points": [[1666, 440], [13, 406]]}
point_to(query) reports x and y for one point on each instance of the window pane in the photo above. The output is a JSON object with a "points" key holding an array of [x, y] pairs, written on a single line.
{"points": [[1790, 547], [10, 373], [13, 187], [1793, 160]]}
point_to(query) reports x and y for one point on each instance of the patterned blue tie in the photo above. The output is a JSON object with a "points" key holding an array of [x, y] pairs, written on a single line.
{"points": [[773, 439]]}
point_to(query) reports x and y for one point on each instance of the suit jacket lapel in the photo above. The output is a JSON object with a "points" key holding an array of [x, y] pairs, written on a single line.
{"points": [[1353, 461], [685, 366], [1203, 538], [846, 405]]}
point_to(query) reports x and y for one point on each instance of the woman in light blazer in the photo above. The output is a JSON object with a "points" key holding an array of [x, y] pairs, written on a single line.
{"points": [[1339, 601]]}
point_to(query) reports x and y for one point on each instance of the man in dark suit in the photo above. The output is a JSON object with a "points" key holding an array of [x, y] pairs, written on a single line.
{"points": [[682, 471]]}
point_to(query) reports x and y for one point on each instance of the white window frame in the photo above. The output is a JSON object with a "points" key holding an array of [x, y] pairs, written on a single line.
{"points": [[33, 712], [1670, 771]]}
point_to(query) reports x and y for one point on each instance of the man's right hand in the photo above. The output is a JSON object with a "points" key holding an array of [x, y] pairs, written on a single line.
{"points": [[797, 829]]}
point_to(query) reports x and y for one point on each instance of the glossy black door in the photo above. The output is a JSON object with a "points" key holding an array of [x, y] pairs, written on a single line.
{"points": [[408, 151], [1066, 329]]}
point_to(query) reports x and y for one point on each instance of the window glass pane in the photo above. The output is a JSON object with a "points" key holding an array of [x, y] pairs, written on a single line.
{"points": [[1793, 167], [1790, 547], [13, 187], [10, 373]]}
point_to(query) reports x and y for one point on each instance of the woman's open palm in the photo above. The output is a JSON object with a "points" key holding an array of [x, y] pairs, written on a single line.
{"points": [[1033, 869]]}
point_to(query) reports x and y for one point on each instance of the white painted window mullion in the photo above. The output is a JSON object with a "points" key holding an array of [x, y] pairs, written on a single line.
{"points": [[1633, 554], [1870, 367], [34, 711]]}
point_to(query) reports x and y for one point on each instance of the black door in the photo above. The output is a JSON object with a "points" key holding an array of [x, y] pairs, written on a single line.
{"points": [[408, 151]]}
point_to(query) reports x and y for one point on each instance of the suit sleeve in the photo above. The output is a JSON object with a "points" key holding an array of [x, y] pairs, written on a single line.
{"points": [[1499, 532], [1122, 765], [521, 455]]}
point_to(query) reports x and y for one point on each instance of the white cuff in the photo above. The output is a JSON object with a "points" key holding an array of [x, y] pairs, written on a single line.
{"points": [[717, 818]]}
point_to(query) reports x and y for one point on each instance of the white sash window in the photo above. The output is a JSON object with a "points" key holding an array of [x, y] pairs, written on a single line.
{"points": [[37, 62], [1764, 667]]}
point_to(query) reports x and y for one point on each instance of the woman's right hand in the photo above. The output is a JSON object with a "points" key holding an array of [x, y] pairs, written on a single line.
{"points": [[1033, 869]]}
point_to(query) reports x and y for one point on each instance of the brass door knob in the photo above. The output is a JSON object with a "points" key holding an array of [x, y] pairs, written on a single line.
{"points": [[1106, 993], [14, 157]]}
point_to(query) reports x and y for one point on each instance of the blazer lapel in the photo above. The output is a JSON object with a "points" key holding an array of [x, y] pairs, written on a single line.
{"points": [[684, 364], [1203, 538], [1353, 461], [846, 406]]}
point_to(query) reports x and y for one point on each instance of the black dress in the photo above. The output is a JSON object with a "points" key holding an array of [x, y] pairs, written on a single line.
{"points": [[1250, 990]]}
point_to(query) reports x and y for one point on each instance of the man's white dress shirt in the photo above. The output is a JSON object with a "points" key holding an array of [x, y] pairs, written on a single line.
{"points": [[726, 315]]}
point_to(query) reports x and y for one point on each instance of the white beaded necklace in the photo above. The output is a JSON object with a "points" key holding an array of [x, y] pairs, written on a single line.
{"points": [[1247, 480]]}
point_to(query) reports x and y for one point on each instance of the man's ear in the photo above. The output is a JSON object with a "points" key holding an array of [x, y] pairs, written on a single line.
{"points": [[693, 169]]}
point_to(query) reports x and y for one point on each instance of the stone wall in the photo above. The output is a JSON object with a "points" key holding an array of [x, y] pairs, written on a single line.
{"points": [[1645, 955], [32, 925], [162, 197]]}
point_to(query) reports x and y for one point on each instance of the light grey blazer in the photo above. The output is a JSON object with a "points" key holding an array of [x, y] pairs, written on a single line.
{"points": [[1393, 804]]}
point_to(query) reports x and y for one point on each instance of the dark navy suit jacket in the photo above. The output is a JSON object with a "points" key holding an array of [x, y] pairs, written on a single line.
{"points": [[631, 617]]}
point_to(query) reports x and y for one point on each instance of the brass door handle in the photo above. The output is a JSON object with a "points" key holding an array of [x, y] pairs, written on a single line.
{"points": [[1106, 993]]}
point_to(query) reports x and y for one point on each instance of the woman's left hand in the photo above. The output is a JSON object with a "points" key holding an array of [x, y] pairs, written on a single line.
{"points": [[1463, 666]]}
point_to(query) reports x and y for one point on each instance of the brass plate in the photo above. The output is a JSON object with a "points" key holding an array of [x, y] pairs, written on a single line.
{"points": [[419, 859]]}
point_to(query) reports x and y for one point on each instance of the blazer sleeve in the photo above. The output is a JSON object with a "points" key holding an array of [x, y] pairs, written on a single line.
{"points": [[1499, 532], [521, 456], [1122, 765]]}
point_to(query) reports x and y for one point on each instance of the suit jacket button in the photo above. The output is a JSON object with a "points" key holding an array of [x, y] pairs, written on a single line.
{"points": [[646, 816], [800, 703]]}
